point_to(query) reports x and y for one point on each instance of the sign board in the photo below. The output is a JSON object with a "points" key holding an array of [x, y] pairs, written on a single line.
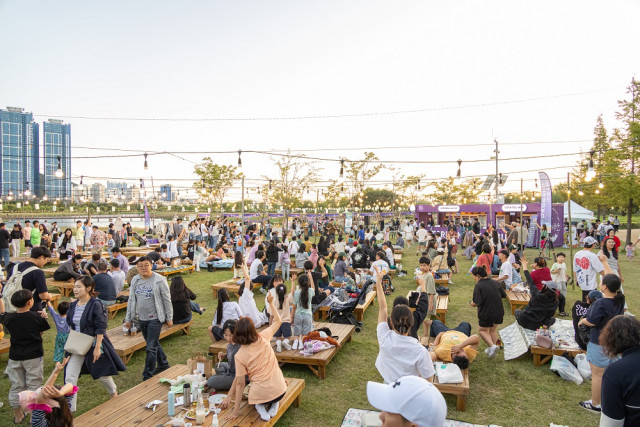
{"points": [[449, 208], [348, 221], [488, 182], [513, 208]]}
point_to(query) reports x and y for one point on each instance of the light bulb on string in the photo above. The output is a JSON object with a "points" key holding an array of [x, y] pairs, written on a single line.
{"points": [[341, 168], [601, 185], [591, 173], [580, 192], [59, 173], [240, 159], [459, 173], [597, 191], [146, 164]]}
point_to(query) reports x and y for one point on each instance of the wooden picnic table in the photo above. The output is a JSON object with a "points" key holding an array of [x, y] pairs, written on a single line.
{"points": [[230, 285], [322, 313], [65, 288], [442, 307], [5, 345], [317, 363], [460, 390], [20, 259], [542, 355], [129, 408], [397, 251], [170, 270], [54, 298], [397, 257], [126, 345], [517, 300], [48, 271]]}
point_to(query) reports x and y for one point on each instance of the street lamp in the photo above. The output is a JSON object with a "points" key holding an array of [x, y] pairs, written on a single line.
{"points": [[59, 172]]}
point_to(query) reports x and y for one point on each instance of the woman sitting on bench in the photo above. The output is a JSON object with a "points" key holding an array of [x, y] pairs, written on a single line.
{"points": [[257, 360]]}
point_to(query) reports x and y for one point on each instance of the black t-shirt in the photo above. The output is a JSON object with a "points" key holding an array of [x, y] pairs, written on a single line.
{"points": [[25, 328], [155, 256], [182, 308], [4, 239], [476, 227], [16, 234], [620, 385], [487, 296], [478, 247], [579, 311], [190, 251], [105, 287], [34, 281]]}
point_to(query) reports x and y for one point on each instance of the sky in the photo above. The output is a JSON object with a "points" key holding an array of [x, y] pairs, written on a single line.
{"points": [[446, 76]]}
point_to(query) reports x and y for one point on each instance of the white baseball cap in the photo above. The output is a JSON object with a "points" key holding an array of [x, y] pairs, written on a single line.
{"points": [[415, 398], [589, 241]]}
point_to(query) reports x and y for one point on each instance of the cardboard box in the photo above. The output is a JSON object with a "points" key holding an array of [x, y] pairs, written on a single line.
{"points": [[200, 363]]}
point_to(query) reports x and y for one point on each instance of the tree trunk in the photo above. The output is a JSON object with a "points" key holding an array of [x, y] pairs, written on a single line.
{"points": [[629, 213]]}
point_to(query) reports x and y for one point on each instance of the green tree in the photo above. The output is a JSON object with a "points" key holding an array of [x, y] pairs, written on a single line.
{"points": [[295, 173], [215, 181], [359, 172], [448, 191]]}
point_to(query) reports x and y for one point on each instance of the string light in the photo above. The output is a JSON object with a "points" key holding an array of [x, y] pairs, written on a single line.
{"points": [[601, 185], [59, 173], [146, 165], [591, 173], [240, 159], [341, 168], [459, 170], [580, 192]]}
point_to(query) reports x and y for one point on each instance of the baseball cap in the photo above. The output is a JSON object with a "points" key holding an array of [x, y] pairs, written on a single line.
{"points": [[594, 295], [589, 241], [512, 247], [415, 398], [440, 249], [551, 285]]}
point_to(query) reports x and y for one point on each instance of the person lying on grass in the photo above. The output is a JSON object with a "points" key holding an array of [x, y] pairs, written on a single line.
{"points": [[400, 354]]}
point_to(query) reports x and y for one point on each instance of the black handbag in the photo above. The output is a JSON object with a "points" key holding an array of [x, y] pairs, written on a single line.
{"points": [[584, 332]]}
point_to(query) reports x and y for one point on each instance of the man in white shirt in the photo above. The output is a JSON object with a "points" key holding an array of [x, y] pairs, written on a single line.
{"points": [[293, 245], [586, 267], [389, 253], [382, 266], [422, 239], [257, 273], [506, 269]]}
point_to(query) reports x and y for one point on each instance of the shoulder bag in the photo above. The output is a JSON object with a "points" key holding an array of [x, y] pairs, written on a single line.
{"points": [[78, 343]]}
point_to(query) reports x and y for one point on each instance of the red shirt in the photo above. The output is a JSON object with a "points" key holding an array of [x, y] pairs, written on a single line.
{"points": [[615, 239], [485, 261], [540, 275]]}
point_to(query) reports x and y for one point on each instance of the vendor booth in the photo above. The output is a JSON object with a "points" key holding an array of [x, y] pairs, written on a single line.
{"points": [[442, 215]]}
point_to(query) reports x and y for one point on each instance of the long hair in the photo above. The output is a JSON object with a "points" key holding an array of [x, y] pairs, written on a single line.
{"points": [[238, 259], [495, 237], [605, 250], [65, 239], [62, 416], [223, 296], [281, 292], [613, 283], [178, 289], [303, 282]]}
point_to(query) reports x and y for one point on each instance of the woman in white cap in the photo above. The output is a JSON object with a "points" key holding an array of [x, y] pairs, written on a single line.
{"points": [[409, 401]]}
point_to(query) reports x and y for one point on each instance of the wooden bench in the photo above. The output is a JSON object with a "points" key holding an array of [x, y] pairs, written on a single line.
{"points": [[65, 288], [322, 313], [54, 298], [166, 272], [48, 271], [317, 363], [542, 355], [230, 285], [442, 306], [459, 390], [126, 345], [113, 309], [129, 408], [397, 257], [5, 345], [517, 300], [397, 251], [292, 270]]}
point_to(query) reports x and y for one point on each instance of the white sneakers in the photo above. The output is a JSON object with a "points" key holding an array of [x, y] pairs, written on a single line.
{"points": [[278, 346], [295, 344], [491, 351], [286, 344]]}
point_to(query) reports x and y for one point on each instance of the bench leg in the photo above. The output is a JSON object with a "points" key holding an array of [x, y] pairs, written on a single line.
{"points": [[215, 294], [112, 314], [297, 401], [55, 305], [126, 358], [359, 316], [186, 330], [322, 372], [314, 370], [513, 309], [461, 403]]}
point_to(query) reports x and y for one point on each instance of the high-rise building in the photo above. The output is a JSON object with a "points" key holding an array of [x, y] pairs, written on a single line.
{"points": [[19, 152], [166, 193], [97, 193], [57, 159]]}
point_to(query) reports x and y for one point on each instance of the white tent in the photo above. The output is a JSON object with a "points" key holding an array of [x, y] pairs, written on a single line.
{"points": [[578, 213]]}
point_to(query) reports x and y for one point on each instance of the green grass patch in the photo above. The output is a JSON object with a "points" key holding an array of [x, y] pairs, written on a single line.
{"points": [[504, 393]]}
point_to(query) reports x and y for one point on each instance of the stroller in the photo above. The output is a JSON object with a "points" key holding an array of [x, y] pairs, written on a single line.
{"points": [[345, 315], [140, 240]]}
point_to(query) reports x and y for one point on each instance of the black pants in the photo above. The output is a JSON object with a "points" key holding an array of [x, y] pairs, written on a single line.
{"points": [[562, 301], [62, 276], [584, 295]]}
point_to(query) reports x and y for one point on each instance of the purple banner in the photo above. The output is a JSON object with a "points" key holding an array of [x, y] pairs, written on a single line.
{"points": [[547, 216], [147, 217]]}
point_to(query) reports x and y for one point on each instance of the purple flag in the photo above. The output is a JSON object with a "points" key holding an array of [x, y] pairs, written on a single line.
{"points": [[545, 204]]}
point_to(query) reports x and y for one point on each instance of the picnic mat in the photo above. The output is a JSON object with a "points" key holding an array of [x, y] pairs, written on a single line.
{"points": [[517, 340], [354, 416]]}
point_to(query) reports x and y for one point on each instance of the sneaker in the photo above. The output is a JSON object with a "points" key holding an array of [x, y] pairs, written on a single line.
{"points": [[262, 411], [295, 345], [202, 310], [586, 404], [492, 351], [263, 290], [486, 350], [286, 344], [278, 346]]}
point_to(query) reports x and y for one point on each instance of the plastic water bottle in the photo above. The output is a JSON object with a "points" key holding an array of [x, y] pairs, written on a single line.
{"points": [[214, 421], [308, 348], [171, 404]]}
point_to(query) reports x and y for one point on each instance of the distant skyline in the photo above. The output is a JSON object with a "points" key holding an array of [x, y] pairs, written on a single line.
{"points": [[564, 62]]}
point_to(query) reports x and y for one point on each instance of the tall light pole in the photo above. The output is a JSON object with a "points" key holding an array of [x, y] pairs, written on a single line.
{"points": [[570, 232], [497, 181]]}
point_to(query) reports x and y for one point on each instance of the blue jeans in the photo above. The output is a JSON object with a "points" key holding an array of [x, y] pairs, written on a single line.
{"points": [[155, 354], [5, 256], [265, 280], [438, 327], [179, 247], [285, 271], [271, 268]]}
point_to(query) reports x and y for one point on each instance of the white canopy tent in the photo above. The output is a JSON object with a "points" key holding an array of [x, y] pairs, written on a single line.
{"points": [[578, 213]]}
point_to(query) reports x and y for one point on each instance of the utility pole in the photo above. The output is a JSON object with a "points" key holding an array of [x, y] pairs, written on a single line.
{"points": [[497, 181], [242, 217], [570, 231], [633, 156]]}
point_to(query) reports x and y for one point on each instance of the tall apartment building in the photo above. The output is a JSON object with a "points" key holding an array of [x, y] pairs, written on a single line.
{"points": [[57, 159], [19, 152]]}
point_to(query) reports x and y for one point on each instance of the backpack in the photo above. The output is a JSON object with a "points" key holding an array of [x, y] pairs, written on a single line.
{"points": [[13, 285]]}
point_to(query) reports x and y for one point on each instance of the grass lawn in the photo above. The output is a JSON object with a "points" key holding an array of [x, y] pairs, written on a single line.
{"points": [[505, 393]]}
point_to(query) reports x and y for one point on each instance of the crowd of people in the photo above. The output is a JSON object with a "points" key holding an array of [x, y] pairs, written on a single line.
{"points": [[337, 255]]}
